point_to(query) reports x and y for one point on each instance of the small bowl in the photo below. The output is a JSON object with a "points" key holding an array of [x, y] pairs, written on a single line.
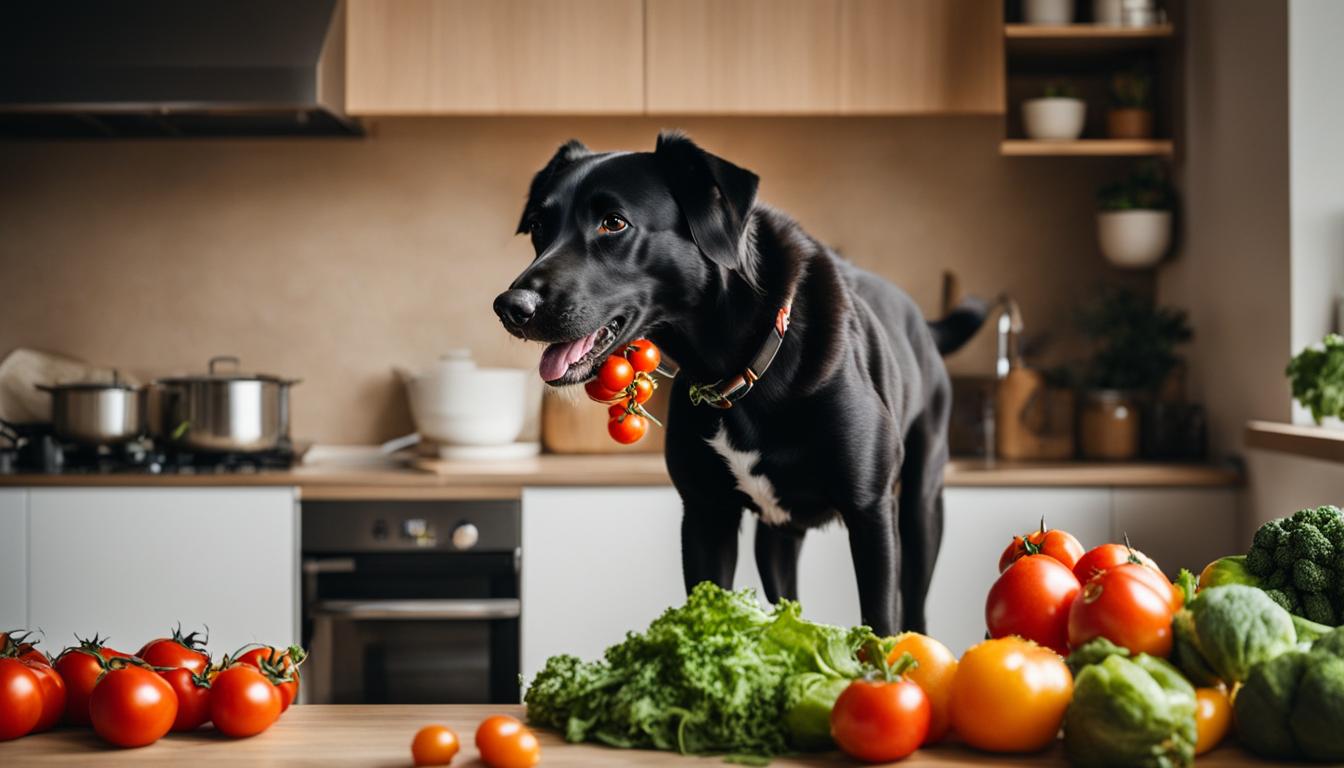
{"points": [[456, 403], [1134, 239]]}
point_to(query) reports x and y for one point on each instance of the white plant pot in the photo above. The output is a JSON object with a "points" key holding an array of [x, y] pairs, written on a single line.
{"points": [[1134, 239], [1047, 11], [1054, 119]]}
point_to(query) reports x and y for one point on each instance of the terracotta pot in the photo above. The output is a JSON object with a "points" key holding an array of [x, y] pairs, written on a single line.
{"points": [[1109, 425], [1129, 123]]}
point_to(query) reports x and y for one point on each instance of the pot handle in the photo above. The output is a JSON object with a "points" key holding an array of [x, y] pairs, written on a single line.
{"points": [[217, 359], [45, 387]]}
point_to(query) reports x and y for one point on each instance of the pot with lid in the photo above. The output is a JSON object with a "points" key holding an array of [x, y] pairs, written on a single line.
{"points": [[96, 413], [225, 410]]}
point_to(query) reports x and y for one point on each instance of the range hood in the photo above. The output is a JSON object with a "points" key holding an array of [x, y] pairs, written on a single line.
{"points": [[173, 68]]}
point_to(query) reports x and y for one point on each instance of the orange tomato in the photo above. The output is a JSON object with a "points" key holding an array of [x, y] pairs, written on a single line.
{"points": [[934, 674], [1213, 718], [434, 745], [1009, 695], [506, 743]]}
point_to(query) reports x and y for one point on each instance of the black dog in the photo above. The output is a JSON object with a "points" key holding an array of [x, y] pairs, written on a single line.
{"points": [[847, 410]]}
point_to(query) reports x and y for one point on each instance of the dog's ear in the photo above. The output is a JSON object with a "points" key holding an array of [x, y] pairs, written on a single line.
{"points": [[569, 153], [714, 195]]}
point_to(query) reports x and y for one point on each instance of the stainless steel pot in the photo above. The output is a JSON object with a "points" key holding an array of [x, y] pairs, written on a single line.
{"points": [[224, 411], [96, 413]]}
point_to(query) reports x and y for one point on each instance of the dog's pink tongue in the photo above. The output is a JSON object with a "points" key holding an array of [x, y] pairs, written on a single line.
{"points": [[557, 358]]}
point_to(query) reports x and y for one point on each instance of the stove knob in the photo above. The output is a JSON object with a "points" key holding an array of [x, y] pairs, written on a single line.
{"points": [[465, 536]]}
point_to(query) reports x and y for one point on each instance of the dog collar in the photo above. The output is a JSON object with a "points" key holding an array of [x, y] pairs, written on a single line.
{"points": [[722, 394]]}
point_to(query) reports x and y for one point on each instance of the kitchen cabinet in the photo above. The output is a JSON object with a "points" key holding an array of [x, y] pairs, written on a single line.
{"points": [[131, 562], [824, 56], [1178, 527], [444, 57], [13, 558]]}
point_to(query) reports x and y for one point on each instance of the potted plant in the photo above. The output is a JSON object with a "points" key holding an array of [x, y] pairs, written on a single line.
{"points": [[1317, 378], [1131, 114], [1134, 221], [1134, 343], [1047, 11], [1057, 115]]}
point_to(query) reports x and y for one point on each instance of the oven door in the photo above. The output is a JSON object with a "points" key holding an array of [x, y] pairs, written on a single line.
{"points": [[411, 629]]}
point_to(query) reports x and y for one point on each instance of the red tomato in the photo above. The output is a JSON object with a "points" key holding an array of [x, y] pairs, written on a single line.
{"points": [[598, 392], [643, 355], [643, 388], [1122, 605], [53, 695], [434, 745], [243, 702], [627, 429], [506, 743], [879, 721], [79, 668], [1107, 556], [132, 706], [615, 374], [618, 410], [278, 663], [186, 651], [20, 699], [1060, 545], [1031, 599], [193, 698]]}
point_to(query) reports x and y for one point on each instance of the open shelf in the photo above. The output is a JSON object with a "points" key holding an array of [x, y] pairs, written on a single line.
{"points": [[1036, 40], [1085, 31], [1088, 147]]}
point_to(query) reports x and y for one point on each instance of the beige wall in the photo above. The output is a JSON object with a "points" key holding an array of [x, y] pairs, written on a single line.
{"points": [[334, 260], [1233, 272]]}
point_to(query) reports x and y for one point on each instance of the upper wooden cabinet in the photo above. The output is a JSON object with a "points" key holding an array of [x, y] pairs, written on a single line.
{"points": [[444, 57], [824, 56]]}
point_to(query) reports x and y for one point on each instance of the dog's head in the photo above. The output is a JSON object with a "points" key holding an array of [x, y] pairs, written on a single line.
{"points": [[624, 241]]}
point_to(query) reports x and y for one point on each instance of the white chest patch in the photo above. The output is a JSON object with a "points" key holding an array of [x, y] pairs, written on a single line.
{"points": [[757, 487]]}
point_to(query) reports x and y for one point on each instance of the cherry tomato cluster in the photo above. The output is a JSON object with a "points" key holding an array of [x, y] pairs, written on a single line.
{"points": [[170, 684], [502, 741], [625, 382], [1052, 592]]}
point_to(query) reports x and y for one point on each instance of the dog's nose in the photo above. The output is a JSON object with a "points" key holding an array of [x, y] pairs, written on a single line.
{"points": [[517, 306]]}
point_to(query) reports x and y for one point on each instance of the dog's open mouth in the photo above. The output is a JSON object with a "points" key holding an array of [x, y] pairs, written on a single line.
{"points": [[569, 362]]}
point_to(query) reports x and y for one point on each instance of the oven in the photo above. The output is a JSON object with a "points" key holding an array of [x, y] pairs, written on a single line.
{"points": [[411, 602]]}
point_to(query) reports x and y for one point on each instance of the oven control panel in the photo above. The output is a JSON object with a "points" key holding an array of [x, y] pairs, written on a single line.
{"points": [[408, 526]]}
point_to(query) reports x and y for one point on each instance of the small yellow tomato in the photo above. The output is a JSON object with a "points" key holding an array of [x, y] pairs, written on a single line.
{"points": [[936, 669], [1009, 695], [1213, 718], [434, 745]]}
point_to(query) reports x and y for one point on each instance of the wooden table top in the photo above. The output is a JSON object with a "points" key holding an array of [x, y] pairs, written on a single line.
{"points": [[380, 737]]}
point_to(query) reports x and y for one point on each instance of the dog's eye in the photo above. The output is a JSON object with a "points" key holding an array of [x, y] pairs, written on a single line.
{"points": [[534, 228], [612, 223]]}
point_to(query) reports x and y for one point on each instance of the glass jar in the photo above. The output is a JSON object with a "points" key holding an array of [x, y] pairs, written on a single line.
{"points": [[1109, 425]]}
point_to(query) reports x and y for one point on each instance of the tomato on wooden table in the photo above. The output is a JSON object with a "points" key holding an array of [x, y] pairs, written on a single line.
{"points": [[243, 701], [933, 673], [1107, 556], [434, 745], [278, 663], [1124, 606], [506, 743], [186, 651], [1010, 695], [20, 698], [1055, 543], [80, 668], [193, 698], [1031, 600], [879, 720], [131, 706], [53, 694], [1213, 718]]}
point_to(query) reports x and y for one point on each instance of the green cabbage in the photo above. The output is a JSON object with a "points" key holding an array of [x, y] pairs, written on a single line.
{"points": [[1128, 711], [1228, 629], [718, 674], [1293, 705]]}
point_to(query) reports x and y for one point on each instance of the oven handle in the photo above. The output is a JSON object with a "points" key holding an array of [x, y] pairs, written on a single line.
{"points": [[417, 610]]}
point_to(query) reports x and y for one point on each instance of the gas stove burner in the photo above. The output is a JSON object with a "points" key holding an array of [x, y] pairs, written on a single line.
{"points": [[228, 463], [41, 452]]}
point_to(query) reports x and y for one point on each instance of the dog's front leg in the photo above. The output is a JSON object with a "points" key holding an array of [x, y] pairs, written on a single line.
{"points": [[709, 544], [877, 565]]}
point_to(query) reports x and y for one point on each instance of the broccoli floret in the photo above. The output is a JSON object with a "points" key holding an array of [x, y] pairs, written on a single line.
{"points": [[1284, 556], [1308, 543], [1317, 608], [1260, 562], [1310, 577], [1334, 533], [1277, 579], [1269, 535], [1316, 517], [1284, 598]]}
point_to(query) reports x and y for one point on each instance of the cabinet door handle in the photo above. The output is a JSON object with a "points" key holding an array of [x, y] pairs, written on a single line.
{"points": [[417, 610], [329, 565]]}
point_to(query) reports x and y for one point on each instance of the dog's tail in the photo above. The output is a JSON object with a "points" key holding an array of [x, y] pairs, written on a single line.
{"points": [[958, 326]]}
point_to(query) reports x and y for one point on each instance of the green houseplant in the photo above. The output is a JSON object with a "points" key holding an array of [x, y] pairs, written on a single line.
{"points": [[1131, 113], [1317, 378], [1133, 352], [1135, 216]]}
